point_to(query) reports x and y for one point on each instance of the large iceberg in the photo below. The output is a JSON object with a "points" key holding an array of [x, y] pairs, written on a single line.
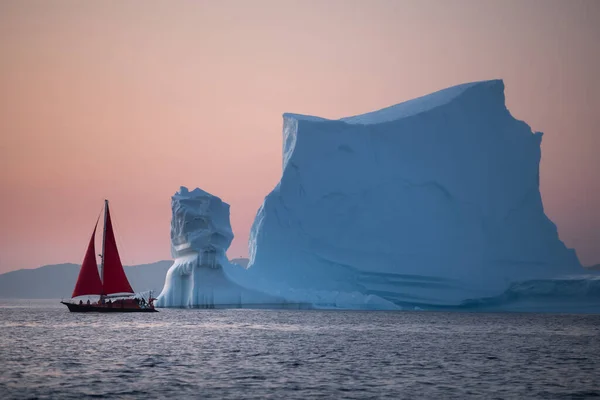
{"points": [[431, 202], [200, 235]]}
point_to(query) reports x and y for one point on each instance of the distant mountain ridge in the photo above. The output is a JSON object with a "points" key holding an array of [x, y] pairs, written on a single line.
{"points": [[58, 280]]}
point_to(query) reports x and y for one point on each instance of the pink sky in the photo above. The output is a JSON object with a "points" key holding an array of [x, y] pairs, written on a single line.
{"points": [[128, 100]]}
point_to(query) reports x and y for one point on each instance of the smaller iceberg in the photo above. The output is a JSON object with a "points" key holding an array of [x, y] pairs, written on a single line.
{"points": [[200, 236]]}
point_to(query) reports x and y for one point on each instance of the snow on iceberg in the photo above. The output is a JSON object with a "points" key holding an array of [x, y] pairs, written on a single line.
{"points": [[200, 235], [434, 201]]}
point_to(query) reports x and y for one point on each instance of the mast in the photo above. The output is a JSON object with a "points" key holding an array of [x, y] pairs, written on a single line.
{"points": [[103, 243]]}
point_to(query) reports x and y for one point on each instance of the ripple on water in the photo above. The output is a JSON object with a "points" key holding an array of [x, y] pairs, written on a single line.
{"points": [[47, 352]]}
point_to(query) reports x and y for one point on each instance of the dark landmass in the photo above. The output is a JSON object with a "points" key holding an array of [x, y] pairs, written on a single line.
{"points": [[58, 280]]}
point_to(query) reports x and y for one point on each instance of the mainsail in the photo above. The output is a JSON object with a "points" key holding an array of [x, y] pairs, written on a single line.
{"points": [[114, 278], [88, 281]]}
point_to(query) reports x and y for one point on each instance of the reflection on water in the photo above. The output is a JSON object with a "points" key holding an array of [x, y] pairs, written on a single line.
{"points": [[47, 352]]}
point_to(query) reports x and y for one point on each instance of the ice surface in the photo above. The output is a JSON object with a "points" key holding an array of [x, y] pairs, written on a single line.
{"points": [[571, 294], [200, 222], [200, 235], [432, 202]]}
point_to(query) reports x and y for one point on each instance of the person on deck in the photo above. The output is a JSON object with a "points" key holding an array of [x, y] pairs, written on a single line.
{"points": [[88, 302]]}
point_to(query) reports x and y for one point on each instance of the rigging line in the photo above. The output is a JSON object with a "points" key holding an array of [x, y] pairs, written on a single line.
{"points": [[100, 214], [98, 220]]}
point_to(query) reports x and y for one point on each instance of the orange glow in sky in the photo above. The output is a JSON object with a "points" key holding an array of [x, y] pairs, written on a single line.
{"points": [[130, 100]]}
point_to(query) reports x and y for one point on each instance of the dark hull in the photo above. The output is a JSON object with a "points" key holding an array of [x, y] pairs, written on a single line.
{"points": [[73, 307]]}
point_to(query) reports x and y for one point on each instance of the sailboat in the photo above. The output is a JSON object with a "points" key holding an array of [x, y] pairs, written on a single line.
{"points": [[111, 284]]}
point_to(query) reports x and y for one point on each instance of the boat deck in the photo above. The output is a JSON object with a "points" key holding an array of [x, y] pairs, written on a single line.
{"points": [[108, 307]]}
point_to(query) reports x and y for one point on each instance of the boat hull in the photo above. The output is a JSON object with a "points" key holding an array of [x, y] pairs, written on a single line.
{"points": [[104, 308]]}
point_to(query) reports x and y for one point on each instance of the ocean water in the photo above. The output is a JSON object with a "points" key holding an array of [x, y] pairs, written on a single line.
{"points": [[47, 352]]}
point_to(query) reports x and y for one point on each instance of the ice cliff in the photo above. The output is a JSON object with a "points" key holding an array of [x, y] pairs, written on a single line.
{"points": [[200, 235], [434, 201]]}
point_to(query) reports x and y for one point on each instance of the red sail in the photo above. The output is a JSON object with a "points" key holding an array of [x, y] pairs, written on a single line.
{"points": [[88, 281], [115, 280]]}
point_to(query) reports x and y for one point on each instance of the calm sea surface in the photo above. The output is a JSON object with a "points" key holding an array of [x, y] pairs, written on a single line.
{"points": [[47, 352]]}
